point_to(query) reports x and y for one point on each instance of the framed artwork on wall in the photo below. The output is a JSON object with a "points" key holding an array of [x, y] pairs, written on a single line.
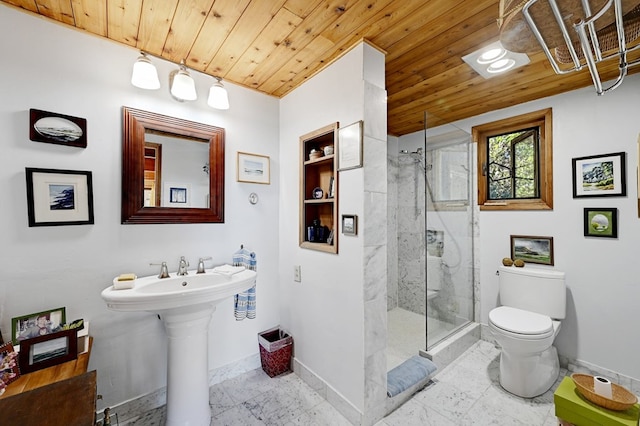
{"points": [[532, 249], [350, 146], [349, 224], [59, 197], [50, 127], [601, 222], [253, 168], [600, 175]]}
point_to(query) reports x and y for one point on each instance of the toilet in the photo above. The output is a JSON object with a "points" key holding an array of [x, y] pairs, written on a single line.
{"points": [[434, 276], [533, 303]]}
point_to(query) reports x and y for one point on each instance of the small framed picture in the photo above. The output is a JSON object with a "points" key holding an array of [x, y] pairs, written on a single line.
{"points": [[600, 175], [59, 129], [36, 325], [350, 146], [532, 249], [349, 224], [317, 193], [176, 194], [48, 350], [253, 168], [9, 370], [59, 197], [332, 188], [330, 237], [601, 222]]}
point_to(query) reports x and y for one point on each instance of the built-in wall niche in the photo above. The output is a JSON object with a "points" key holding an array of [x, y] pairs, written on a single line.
{"points": [[319, 190]]}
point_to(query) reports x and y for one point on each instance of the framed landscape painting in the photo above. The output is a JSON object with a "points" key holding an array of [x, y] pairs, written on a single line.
{"points": [[60, 129], [532, 249], [601, 222], [600, 175]]}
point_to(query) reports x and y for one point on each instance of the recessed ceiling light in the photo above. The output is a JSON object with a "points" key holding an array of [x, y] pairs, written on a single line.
{"points": [[492, 60], [501, 65], [492, 55]]}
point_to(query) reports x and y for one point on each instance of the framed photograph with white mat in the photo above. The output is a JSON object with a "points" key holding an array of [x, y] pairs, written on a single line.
{"points": [[59, 197], [253, 168], [177, 194]]}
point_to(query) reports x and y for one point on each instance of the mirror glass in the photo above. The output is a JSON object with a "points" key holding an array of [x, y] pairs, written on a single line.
{"points": [[173, 170], [176, 171]]}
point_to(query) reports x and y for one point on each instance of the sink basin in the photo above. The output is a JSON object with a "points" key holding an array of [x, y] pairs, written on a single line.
{"points": [[185, 304], [157, 294]]}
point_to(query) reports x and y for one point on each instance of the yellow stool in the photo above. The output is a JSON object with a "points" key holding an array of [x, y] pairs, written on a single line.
{"points": [[573, 409]]}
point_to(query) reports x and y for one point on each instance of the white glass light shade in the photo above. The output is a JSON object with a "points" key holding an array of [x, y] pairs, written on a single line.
{"points": [[218, 97], [145, 75], [183, 87]]}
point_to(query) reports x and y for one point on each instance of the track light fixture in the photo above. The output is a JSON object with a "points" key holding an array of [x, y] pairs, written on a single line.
{"points": [[181, 85]]}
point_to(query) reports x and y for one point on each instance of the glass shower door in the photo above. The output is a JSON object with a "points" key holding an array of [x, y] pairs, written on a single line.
{"points": [[449, 234]]}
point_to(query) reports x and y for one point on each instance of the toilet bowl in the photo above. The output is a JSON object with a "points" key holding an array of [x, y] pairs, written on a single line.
{"points": [[525, 326], [528, 362]]}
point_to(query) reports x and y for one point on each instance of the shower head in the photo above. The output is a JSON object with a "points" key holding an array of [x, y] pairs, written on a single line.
{"points": [[419, 152]]}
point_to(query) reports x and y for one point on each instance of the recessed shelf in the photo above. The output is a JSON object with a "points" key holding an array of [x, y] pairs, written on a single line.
{"points": [[319, 173]]}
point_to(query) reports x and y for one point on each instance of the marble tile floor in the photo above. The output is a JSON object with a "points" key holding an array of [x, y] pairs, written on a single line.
{"points": [[466, 392]]}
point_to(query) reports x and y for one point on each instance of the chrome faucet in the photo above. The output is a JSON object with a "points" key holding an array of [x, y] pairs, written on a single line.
{"points": [[182, 268], [201, 264], [164, 271]]}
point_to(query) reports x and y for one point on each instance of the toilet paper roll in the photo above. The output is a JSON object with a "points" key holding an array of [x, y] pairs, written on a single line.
{"points": [[602, 386]]}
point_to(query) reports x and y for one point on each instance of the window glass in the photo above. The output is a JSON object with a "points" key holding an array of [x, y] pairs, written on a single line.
{"points": [[515, 162]]}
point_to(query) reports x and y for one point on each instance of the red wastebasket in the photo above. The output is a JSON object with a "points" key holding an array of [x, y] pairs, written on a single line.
{"points": [[275, 351]]}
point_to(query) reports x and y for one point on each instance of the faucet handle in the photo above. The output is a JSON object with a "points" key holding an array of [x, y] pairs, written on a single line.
{"points": [[164, 271], [201, 264]]}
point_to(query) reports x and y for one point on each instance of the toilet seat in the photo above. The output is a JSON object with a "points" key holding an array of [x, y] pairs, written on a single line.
{"points": [[520, 323]]}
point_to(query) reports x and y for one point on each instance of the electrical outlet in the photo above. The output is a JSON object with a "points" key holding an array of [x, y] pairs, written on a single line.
{"points": [[297, 273]]}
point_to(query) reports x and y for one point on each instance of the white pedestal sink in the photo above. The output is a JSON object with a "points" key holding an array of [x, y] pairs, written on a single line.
{"points": [[185, 305]]}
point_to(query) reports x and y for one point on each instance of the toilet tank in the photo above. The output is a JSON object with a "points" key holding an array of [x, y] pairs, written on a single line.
{"points": [[534, 289], [434, 272]]}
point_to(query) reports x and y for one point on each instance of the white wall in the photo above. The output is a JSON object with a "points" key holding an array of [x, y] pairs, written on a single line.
{"points": [[325, 311], [603, 284], [53, 68]]}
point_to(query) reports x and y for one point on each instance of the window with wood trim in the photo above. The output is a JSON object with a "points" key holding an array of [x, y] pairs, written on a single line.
{"points": [[515, 162]]}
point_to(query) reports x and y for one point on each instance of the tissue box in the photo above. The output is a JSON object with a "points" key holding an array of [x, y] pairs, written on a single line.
{"points": [[572, 408]]}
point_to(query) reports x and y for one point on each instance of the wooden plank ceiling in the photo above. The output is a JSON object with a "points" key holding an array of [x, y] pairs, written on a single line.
{"points": [[273, 46]]}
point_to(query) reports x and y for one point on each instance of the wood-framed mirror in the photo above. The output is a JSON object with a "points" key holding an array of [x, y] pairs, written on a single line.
{"points": [[172, 170]]}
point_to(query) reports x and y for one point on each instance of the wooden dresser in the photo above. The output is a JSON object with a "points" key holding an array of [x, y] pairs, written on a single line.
{"points": [[64, 394]]}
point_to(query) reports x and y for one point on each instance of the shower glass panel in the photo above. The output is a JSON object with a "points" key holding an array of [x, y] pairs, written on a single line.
{"points": [[449, 216], [430, 245]]}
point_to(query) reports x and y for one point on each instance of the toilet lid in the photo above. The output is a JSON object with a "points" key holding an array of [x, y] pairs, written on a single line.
{"points": [[519, 321]]}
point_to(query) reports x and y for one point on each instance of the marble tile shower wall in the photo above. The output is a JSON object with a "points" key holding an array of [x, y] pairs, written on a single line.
{"points": [[411, 236], [392, 225], [454, 303]]}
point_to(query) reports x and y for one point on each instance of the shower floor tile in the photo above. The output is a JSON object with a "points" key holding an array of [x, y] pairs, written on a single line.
{"points": [[407, 333]]}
